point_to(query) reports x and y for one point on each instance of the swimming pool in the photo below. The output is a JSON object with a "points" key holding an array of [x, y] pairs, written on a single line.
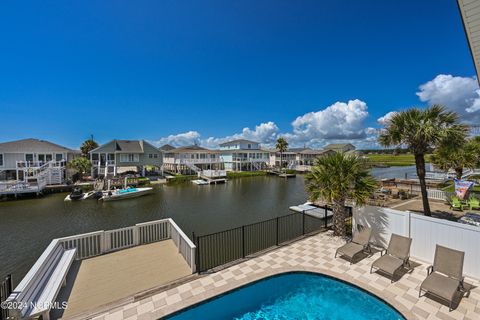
{"points": [[297, 295]]}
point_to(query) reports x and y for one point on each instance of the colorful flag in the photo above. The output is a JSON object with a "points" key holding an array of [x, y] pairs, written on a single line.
{"points": [[462, 187]]}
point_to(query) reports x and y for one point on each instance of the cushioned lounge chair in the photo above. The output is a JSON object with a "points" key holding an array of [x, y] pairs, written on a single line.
{"points": [[360, 243], [445, 276], [395, 256]]}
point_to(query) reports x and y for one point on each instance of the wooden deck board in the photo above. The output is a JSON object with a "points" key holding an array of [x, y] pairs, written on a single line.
{"points": [[122, 274]]}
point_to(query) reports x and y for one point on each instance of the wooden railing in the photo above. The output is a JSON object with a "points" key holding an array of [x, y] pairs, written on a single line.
{"points": [[100, 242], [185, 246]]}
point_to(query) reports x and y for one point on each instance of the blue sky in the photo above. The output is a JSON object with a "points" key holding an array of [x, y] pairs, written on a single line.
{"points": [[179, 71]]}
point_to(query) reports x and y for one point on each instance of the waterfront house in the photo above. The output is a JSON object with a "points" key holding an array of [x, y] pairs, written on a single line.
{"points": [[166, 147], [26, 159], [244, 155], [340, 147], [191, 159], [296, 158], [119, 156]]}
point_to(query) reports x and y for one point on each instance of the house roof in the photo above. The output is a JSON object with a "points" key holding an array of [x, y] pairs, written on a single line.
{"points": [[190, 149], [33, 145], [134, 146], [237, 141], [470, 13], [310, 151], [123, 146], [338, 145], [166, 147]]}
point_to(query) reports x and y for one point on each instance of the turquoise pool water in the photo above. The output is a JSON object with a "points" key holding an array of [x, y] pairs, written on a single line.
{"points": [[296, 295]]}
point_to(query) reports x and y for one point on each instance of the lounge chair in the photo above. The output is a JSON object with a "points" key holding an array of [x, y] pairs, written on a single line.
{"points": [[395, 256], [473, 203], [455, 204], [445, 276], [359, 244]]}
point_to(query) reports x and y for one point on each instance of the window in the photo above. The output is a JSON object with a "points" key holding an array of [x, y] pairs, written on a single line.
{"points": [[29, 157], [41, 157], [150, 155], [48, 157], [58, 157], [1, 160], [155, 155], [129, 157], [249, 146]]}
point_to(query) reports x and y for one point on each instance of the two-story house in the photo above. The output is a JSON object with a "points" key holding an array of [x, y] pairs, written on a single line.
{"points": [[294, 157], [119, 156], [28, 158], [191, 159], [244, 155]]}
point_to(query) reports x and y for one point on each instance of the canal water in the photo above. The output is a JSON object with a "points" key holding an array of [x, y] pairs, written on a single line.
{"points": [[28, 226]]}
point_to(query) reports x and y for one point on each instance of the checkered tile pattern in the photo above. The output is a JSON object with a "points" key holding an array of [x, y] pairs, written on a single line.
{"points": [[314, 254]]}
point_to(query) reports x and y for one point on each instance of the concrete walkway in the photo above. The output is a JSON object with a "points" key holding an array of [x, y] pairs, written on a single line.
{"points": [[313, 254]]}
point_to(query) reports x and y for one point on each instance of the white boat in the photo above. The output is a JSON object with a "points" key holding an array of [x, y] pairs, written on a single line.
{"points": [[311, 209], [126, 193], [200, 182], [76, 195]]}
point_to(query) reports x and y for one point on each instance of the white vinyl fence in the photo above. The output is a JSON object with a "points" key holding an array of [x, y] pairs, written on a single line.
{"points": [[437, 194], [426, 233], [100, 242]]}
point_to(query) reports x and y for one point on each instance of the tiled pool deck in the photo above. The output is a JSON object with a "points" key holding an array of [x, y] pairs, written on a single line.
{"points": [[314, 254]]}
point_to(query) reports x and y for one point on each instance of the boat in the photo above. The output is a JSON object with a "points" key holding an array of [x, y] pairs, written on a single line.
{"points": [[126, 193], [200, 182], [78, 194], [309, 208]]}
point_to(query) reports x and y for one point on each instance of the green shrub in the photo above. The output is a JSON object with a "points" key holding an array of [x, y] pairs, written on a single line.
{"points": [[241, 174]]}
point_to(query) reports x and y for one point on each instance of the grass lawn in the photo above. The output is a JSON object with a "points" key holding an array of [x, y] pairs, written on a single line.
{"points": [[393, 160]]}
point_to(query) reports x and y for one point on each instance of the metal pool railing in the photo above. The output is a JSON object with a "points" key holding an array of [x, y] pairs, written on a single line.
{"points": [[223, 247]]}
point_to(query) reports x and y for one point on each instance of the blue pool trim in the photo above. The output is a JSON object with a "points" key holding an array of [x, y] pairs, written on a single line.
{"points": [[170, 315]]}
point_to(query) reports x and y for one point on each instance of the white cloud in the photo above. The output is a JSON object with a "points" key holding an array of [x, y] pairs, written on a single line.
{"points": [[460, 94], [339, 122], [181, 139], [386, 118]]}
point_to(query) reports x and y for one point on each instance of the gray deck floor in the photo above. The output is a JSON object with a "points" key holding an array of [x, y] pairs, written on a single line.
{"points": [[99, 281]]}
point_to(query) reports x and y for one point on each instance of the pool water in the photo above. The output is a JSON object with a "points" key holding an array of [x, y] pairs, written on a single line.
{"points": [[296, 295]]}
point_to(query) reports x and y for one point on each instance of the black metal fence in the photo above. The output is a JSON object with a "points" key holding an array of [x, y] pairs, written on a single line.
{"points": [[223, 247], [5, 291]]}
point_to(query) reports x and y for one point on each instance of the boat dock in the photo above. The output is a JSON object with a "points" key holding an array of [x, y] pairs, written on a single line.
{"points": [[312, 210], [282, 174]]}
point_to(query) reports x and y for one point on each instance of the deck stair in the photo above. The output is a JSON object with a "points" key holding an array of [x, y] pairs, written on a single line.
{"points": [[192, 167], [291, 165], [257, 165]]}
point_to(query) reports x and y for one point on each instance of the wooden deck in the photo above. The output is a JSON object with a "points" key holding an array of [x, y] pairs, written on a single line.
{"points": [[103, 280]]}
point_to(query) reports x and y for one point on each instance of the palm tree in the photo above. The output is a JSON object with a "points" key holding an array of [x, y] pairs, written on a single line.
{"points": [[457, 157], [336, 178], [81, 165], [87, 146], [420, 131], [282, 146]]}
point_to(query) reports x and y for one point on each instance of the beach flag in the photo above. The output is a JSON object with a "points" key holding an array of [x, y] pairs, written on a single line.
{"points": [[462, 187]]}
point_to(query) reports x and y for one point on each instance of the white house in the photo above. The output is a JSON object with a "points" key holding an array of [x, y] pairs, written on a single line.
{"points": [[191, 159], [118, 156], [244, 155], [27, 158], [294, 157]]}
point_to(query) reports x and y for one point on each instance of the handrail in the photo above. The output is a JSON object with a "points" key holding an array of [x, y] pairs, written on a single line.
{"points": [[99, 242]]}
